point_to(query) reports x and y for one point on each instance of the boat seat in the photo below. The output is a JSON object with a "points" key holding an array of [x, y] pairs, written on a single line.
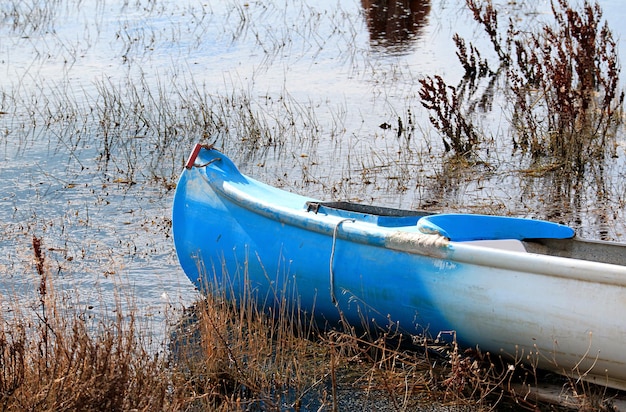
{"points": [[512, 245], [466, 227]]}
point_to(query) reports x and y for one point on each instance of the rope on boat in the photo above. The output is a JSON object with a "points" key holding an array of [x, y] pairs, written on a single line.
{"points": [[332, 257], [217, 159]]}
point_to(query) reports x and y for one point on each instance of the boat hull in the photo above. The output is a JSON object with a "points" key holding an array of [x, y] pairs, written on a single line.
{"points": [[245, 237]]}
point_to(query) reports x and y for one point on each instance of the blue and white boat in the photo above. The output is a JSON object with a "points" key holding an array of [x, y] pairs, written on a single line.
{"points": [[523, 288]]}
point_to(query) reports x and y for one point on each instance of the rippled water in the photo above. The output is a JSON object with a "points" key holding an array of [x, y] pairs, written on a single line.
{"points": [[100, 102]]}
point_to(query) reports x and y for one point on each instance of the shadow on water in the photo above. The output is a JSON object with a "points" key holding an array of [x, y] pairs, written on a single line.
{"points": [[394, 25]]}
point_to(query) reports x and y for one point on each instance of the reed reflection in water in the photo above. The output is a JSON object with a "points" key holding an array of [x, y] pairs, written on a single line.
{"points": [[394, 24]]}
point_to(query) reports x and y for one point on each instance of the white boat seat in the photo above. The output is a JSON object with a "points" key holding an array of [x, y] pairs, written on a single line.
{"points": [[512, 245], [465, 227]]}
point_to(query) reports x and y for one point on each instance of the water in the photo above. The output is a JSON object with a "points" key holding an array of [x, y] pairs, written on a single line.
{"points": [[101, 101]]}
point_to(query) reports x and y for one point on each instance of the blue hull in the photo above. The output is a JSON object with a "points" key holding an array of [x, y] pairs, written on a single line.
{"points": [[423, 274], [252, 246]]}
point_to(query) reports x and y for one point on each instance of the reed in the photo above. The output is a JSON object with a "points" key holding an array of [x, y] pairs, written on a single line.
{"points": [[563, 78], [58, 358], [568, 75]]}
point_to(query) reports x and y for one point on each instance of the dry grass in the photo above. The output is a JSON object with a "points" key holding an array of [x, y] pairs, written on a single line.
{"points": [[56, 358], [231, 354], [238, 355], [238, 358]]}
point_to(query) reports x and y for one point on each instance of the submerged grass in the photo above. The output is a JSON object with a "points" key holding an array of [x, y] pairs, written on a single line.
{"points": [[136, 127]]}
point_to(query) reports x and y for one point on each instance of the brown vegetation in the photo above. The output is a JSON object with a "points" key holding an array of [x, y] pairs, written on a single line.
{"points": [[563, 79], [58, 359], [233, 355]]}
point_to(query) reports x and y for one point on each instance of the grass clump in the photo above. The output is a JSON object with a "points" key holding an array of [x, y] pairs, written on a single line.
{"points": [[565, 83], [445, 103], [66, 364], [236, 358], [563, 79], [59, 359], [235, 354]]}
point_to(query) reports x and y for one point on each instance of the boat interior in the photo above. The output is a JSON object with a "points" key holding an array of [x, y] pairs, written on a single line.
{"points": [[364, 209], [572, 247], [576, 248], [381, 216]]}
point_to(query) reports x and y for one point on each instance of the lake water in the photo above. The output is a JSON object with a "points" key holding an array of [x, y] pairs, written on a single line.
{"points": [[101, 101]]}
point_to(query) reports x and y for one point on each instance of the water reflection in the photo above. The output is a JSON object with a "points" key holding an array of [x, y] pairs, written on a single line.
{"points": [[394, 24], [583, 201]]}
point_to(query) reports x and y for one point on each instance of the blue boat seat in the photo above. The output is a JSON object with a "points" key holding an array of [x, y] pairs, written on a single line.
{"points": [[466, 227]]}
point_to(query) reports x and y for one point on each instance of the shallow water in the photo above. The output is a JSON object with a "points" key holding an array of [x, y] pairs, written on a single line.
{"points": [[101, 101]]}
